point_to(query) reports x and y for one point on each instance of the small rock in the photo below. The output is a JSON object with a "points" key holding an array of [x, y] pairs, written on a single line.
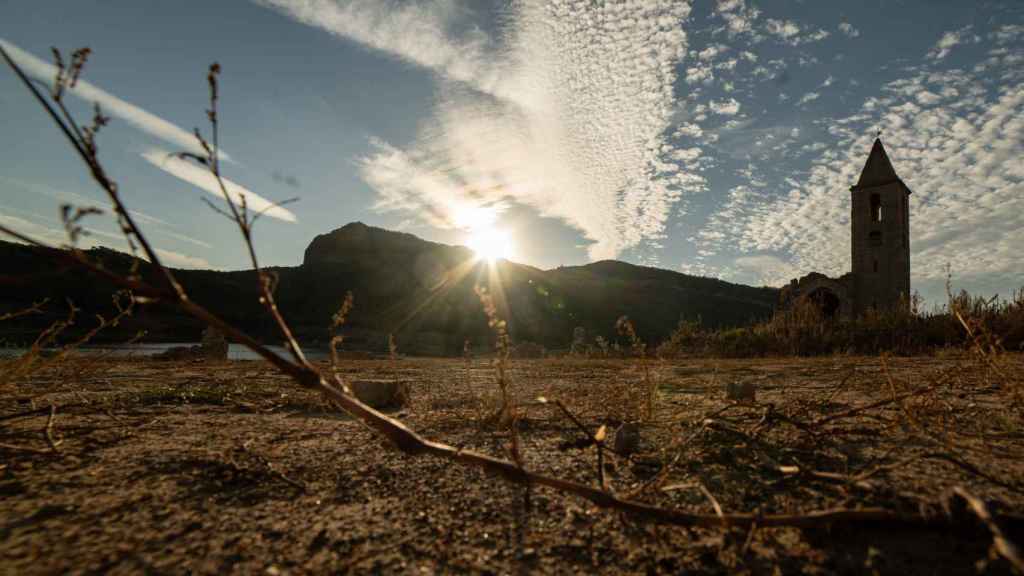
{"points": [[741, 391], [627, 438], [381, 394], [214, 345]]}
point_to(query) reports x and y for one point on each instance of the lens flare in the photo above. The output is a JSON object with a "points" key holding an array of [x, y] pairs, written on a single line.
{"points": [[490, 244]]}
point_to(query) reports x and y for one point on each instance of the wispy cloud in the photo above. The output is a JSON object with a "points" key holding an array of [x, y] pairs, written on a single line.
{"points": [[567, 112], [152, 224], [416, 32], [48, 231], [201, 178], [110, 104], [180, 260]]}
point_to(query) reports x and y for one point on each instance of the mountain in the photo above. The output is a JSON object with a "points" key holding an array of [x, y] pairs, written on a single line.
{"points": [[420, 291]]}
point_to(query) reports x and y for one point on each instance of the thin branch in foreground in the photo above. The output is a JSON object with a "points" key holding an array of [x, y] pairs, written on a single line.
{"points": [[35, 308]]}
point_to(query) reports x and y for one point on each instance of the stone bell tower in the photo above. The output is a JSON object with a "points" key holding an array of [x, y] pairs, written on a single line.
{"points": [[880, 228]]}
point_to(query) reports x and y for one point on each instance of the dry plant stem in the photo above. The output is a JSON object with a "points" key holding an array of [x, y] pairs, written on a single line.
{"points": [[48, 431], [859, 409], [840, 387], [25, 448], [34, 308], [245, 225], [54, 444], [99, 175], [971, 468], [18, 415], [714, 502], [568, 414], [409, 442], [1002, 545]]}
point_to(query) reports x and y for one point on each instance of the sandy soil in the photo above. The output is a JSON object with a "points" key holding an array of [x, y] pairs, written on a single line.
{"points": [[228, 468]]}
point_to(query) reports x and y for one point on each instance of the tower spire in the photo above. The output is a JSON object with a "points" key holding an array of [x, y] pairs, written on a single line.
{"points": [[878, 169]]}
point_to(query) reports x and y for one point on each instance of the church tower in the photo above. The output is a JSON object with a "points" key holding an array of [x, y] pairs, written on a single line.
{"points": [[880, 228]]}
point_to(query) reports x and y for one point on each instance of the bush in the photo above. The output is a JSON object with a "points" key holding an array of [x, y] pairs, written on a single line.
{"points": [[802, 330]]}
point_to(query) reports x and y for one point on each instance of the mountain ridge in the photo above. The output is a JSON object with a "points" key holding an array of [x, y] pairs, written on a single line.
{"points": [[422, 292]]}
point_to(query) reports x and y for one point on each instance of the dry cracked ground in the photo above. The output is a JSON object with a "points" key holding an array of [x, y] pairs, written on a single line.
{"points": [[157, 467]]}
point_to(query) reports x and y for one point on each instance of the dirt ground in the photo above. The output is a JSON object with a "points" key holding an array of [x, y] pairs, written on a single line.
{"points": [[159, 467]]}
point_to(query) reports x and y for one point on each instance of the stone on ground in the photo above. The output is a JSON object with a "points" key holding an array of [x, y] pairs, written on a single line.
{"points": [[381, 393], [214, 345], [741, 391], [627, 438]]}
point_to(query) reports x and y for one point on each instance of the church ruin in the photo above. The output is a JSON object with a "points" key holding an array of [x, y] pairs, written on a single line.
{"points": [[880, 245]]}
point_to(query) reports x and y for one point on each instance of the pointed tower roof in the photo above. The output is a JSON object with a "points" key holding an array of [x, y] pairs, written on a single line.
{"points": [[878, 169]]}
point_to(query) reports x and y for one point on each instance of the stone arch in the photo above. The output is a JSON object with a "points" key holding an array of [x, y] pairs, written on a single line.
{"points": [[830, 295]]}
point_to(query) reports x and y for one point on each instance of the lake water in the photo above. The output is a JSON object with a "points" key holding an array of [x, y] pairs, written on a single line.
{"points": [[235, 351]]}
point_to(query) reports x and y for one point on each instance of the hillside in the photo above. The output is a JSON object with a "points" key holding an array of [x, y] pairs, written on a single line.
{"points": [[420, 291]]}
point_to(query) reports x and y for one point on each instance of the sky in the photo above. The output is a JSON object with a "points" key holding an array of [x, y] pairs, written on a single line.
{"points": [[712, 137]]}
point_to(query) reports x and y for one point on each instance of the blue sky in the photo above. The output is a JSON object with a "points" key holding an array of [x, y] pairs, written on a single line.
{"points": [[714, 137]]}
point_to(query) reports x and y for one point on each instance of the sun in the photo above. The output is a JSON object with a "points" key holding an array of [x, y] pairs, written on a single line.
{"points": [[490, 243]]}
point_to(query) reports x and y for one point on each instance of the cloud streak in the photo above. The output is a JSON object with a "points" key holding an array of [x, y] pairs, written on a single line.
{"points": [[47, 230], [417, 33], [201, 178], [139, 118]]}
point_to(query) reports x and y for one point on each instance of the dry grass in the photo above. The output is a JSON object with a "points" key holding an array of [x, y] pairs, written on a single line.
{"points": [[227, 467], [802, 331]]}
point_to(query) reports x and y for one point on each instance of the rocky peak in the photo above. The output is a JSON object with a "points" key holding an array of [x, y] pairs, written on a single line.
{"points": [[357, 242]]}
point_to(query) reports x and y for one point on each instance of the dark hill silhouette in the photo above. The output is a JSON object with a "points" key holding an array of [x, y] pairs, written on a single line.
{"points": [[418, 290]]}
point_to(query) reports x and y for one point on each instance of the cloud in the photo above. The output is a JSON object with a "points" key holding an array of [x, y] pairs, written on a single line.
{"points": [[848, 29], [957, 145], [40, 232], [767, 269], [947, 42], [417, 33], [201, 178], [110, 104], [728, 107], [150, 224], [789, 32], [700, 74], [1008, 33], [564, 110], [784, 29], [738, 17], [179, 260], [48, 231], [809, 97], [710, 52]]}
